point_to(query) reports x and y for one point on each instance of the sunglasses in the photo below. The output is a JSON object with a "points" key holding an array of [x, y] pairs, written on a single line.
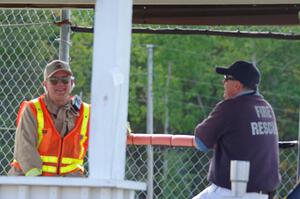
{"points": [[227, 77], [64, 80]]}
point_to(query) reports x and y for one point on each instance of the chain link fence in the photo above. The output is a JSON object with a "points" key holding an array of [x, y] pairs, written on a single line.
{"points": [[29, 39], [181, 172], [28, 42]]}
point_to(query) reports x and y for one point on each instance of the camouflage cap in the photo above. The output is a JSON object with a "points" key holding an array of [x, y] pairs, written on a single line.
{"points": [[55, 66]]}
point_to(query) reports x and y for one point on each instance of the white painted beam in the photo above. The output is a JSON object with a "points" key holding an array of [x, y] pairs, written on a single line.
{"points": [[69, 182], [21, 187]]}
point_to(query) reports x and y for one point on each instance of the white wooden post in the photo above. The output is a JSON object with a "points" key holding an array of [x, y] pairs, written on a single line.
{"points": [[239, 176], [110, 86]]}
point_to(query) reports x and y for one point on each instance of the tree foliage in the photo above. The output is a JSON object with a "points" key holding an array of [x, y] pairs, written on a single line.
{"points": [[194, 88]]}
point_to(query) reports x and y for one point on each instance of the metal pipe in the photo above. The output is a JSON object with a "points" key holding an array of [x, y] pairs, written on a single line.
{"points": [[150, 121], [65, 31]]}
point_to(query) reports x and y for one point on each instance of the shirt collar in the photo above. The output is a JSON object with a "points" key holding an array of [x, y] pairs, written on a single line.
{"points": [[52, 108], [245, 92]]}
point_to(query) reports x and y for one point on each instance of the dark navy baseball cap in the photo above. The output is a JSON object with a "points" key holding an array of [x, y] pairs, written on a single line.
{"points": [[243, 71]]}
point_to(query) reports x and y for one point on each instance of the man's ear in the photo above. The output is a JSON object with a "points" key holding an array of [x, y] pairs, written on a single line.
{"points": [[44, 86], [44, 83], [72, 85], [239, 86]]}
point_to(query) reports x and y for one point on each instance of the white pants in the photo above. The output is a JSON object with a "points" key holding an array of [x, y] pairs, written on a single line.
{"points": [[216, 192], [213, 192]]}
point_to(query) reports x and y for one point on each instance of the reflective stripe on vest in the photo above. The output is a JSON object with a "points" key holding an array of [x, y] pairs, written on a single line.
{"points": [[84, 127], [49, 169], [34, 172], [40, 120], [49, 159], [66, 169], [71, 161]]}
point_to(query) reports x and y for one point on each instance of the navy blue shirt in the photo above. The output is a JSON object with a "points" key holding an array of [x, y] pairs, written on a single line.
{"points": [[242, 128]]}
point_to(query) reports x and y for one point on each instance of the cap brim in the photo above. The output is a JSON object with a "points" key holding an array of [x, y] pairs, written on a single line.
{"points": [[223, 71], [70, 73]]}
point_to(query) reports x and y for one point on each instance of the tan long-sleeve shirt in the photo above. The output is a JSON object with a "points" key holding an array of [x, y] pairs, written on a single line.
{"points": [[26, 138]]}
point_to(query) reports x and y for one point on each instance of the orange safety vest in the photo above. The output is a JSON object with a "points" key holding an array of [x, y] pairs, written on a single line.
{"points": [[60, 156]]}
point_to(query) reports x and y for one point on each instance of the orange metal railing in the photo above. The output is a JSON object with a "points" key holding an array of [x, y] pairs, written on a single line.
{"points": [[161, 139]]}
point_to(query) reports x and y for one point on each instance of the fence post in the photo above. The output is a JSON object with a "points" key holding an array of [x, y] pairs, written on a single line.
{"points": [[150, 121], [65, 30]]}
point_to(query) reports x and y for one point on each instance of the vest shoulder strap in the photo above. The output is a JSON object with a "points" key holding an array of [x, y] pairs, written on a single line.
{"points": [[22, 108]]}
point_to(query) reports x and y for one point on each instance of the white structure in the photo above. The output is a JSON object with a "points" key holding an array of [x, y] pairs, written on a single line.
{"points": [[110, 86]]}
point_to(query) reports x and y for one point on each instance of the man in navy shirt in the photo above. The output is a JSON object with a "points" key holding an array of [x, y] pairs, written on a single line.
{"points": [[240, 127]]}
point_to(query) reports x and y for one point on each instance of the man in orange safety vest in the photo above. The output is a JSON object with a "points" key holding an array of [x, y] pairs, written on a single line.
{"points": [[53, 129]]}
